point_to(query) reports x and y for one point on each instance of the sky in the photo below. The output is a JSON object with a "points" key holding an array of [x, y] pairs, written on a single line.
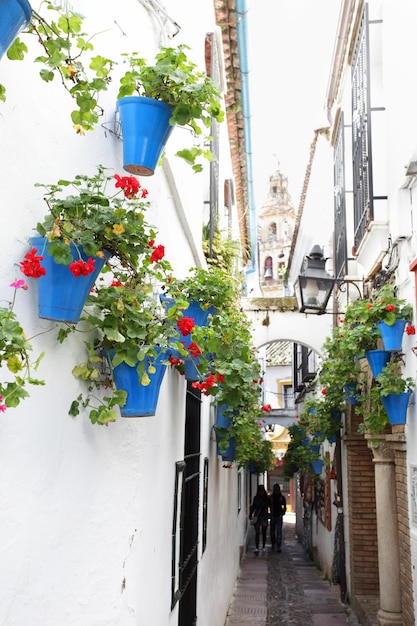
{"points": [[290, 48]]}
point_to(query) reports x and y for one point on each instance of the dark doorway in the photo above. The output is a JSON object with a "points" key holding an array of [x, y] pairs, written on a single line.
{"points": [[190, 503]]}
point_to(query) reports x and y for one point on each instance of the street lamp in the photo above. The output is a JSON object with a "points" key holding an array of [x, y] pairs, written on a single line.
{"points": [[314, 285]]}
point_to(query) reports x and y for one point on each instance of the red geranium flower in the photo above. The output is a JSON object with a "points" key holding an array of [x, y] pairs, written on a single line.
{"points": [[31, 265], [185, 325], [194, 350], [266, 408], [390, 307], [410, 329], [157, 254], [82, 268], [129, 184]]}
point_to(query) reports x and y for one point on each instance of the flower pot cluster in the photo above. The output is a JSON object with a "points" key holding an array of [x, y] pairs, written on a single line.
{"points": [[153, 97], [94, 242], [367, 338], [224, 365], [301, 456]]}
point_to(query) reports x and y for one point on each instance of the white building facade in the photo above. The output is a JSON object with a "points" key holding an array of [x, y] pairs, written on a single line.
{"points": [[95, 519]]}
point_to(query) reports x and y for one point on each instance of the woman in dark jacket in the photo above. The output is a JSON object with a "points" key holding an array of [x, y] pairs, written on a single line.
{"points": [[260, 511]]}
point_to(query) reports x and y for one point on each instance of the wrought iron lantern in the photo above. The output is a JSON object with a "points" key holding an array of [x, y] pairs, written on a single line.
{"points": [[314, 285]]}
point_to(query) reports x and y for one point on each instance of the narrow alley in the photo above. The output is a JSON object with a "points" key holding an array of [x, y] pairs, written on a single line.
{"points": [[285, 589]]}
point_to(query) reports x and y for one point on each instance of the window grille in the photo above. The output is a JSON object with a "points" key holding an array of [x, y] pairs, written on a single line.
{"points": [[340, 240], [361, 134]]}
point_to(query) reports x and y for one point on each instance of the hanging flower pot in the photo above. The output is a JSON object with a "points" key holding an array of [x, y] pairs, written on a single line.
{"points": [[145, 131], [15, 16], [229, 453], [222, 420], [377, 360], [61, 295], [395, 405], [351, 391], [142, 400], [392, 336], [226, 445], [190, 370], [317, 466], [196, 312]]}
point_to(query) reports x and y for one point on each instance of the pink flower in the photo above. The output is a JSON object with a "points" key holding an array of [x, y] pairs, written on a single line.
{"points": [[19, 284]]}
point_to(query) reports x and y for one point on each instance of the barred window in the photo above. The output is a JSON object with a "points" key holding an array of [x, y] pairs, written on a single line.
{"points": [[361, 134], [340, 238]]}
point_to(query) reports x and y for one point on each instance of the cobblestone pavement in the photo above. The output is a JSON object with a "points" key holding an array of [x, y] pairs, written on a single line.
{"points": [[285, 589]]}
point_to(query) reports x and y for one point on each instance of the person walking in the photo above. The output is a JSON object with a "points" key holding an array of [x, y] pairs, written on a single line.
{"points": [[259, 513], [278, 507]]}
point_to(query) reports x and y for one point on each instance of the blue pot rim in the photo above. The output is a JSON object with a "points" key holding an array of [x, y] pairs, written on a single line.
{"points": [[145, 101]]}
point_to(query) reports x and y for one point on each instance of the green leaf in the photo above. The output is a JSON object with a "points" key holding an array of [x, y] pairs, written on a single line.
{"points": [[17, 51], [46, 75]]}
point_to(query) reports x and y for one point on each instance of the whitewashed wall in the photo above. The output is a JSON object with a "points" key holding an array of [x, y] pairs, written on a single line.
{"points": [[393, 41], [86, 511]]}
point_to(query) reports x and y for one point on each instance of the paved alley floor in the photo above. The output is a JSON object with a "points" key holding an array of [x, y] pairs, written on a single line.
{"points": [[285, 589]]}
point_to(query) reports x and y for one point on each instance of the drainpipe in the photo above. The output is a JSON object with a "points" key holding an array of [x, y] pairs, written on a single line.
{"points": [[242, 41]]}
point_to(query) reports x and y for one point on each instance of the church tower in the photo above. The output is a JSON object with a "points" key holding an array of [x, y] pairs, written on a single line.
{"points": [[275, 230]]}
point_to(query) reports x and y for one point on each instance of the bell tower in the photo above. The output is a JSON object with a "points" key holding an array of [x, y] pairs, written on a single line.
{"points": [[275, 230]]}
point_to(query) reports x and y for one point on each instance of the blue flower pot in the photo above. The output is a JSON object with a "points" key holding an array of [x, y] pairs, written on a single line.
{"points": [[317, 466], [199, 315], [351, 391], [190, 370], [229, 453], [377, 360], [392, 336], [145, 131], [222, 421], [61, 296], [314, 448], [15, 16], [141, 400], [395, 405]]}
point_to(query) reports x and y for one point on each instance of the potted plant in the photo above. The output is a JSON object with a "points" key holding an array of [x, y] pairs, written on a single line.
{"points": [[171, 91], [193, 302], [340, 370], [16, 364], [298, 457], [63, 47], [16, 14], [99, 225], [391, 316], [385, 399], [321, 417], [394, 391], [127, 352]]}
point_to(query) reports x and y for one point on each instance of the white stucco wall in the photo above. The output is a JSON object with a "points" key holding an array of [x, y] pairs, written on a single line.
{"points": [[86, 515]]}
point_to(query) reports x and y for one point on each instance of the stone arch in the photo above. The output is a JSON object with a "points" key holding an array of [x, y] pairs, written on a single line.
{"points": [[269, 325]]}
